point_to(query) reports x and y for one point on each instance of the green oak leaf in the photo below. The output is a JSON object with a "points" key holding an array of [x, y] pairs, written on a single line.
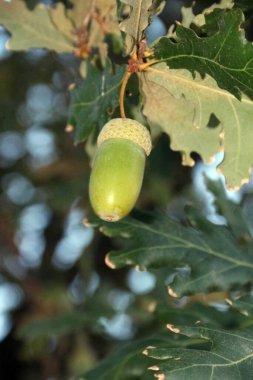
{"points": [[35, 29], [58, 325], [79, 10], [189, 17], [229, 357], [203, 258], [126, 362], [196, 312], [245, 5], [94, 99], [244, 305], [181, 107], [224, 55], [68, 321], [232, 212], [200, 117], [247, 206], [61, 22], [138, 20], [108, 11], [95, 20]]}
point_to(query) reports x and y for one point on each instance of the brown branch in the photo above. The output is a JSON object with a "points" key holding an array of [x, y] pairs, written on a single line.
{"points": [[122, 93]]}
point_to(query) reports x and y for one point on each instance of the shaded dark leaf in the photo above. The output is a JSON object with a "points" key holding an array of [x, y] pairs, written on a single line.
{"points": [[225, 55], [206, 256], [230, 356], [128, 362], [245, 5], [94, 99]]}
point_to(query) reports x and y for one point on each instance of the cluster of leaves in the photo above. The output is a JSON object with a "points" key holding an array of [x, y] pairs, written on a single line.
{"points": [[208, 265], [199, 352], [76, 30], [198, 89], [193, 92]]}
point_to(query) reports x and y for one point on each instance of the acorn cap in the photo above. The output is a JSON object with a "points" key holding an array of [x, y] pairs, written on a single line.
{"points": [[126, 129]]}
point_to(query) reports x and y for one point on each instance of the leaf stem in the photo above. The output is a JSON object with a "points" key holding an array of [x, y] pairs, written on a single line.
{"points": [[134, 65], [146, 65], [122, 93]]}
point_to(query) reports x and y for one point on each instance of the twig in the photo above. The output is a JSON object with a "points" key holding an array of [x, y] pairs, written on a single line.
{"points": [[122, 93]]}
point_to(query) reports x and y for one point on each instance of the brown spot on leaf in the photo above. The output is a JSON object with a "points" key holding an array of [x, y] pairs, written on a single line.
{"points": [[222, 135], [211, 160], [7, 45], [109, 263], [233, 188], [172, 293], [71, 86], [173, 329], [152, 306], [160, 376], [145, 352], [245, 239], [86, 223], [69, 128], [187, 160], [244, 180], [229, 301], [154, 368]]}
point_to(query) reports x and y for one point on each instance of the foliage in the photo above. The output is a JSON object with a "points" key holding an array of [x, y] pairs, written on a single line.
{"points": [[246, 5], [195, 85], [230, 355], [36, 29], [138, 20], [94, 99], [196, 54], [202, 258]]}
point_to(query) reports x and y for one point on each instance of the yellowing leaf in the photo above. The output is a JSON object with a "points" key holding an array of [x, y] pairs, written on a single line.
{"points": [[104, 22], [104, 10], [32, 29], [80, 10], [188, 16], [61, 21], [200, 117], [93, 20], [108, 10], [138, 20], [224, 54]]}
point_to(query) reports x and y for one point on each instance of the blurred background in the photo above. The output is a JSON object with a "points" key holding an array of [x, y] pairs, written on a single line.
{"points": [[51, 266]]}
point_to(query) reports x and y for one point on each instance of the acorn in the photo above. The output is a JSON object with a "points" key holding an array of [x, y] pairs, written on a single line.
{"points": [[118, 168]]}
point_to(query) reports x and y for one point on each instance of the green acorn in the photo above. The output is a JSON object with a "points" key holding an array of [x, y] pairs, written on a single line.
{"points": [[118, 168]]}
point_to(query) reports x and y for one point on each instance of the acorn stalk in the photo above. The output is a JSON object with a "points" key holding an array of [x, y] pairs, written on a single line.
{"points": [[118, 168]]}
